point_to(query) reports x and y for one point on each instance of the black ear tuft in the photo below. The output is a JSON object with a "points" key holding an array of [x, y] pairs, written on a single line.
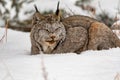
{"points": [[57, 11], [36, 8]]}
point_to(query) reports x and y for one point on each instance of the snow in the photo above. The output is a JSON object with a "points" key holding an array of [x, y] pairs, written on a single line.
{"points": [[109, 6], [116, 25], [16, 63], [117, 32]]}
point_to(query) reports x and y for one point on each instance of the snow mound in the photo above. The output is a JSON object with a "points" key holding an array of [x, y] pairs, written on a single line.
{"points": [[16, 63], [116, 25]]}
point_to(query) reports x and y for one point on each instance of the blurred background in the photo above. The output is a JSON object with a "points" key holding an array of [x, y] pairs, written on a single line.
{"points": [[19, 12]]}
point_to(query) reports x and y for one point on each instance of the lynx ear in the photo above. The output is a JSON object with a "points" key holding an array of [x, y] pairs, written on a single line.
{"points": [[57, 13], [37, 16], [36, 8]]}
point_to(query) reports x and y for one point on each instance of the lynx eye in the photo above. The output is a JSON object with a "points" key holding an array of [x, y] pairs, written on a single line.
{"points": [[44, 30], [57, 28], [47, 30]]}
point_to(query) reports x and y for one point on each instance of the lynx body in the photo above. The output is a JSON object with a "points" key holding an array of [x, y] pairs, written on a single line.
{"points": [[94, 35], [51, 34]]}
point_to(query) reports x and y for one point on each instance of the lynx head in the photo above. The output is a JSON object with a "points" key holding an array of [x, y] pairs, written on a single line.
{"points": [[48, 30]]}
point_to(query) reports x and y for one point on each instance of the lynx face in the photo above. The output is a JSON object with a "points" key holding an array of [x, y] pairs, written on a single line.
{"points": [[47, 33]]}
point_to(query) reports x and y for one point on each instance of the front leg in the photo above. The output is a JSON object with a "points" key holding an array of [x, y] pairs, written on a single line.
{"points": [[34, 50]]}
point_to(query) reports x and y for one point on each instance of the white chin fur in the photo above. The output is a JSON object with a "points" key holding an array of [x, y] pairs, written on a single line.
{"points": [[47, 47]]}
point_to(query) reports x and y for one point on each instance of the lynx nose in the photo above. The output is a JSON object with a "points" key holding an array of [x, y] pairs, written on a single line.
{"points": [[52, 36]]}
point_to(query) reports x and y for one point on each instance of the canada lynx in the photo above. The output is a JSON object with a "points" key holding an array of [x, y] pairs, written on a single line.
{"points": [[51, 34]]}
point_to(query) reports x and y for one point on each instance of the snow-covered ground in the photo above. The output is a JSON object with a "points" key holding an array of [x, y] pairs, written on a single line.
{"points": [[16, 63]]}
